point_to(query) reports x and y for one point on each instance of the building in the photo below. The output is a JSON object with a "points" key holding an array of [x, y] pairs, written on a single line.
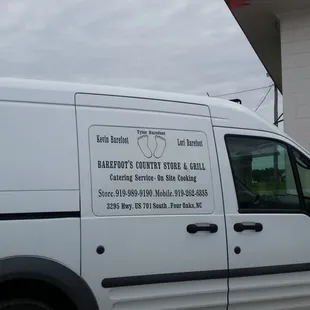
{"points": [[279, 32]]}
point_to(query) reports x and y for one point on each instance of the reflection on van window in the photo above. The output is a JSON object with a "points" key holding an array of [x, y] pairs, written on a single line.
{"points": [[263, 174], [303, 166]]}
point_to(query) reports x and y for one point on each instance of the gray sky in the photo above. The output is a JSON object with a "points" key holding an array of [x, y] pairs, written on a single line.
{"points": [[189, 46]]}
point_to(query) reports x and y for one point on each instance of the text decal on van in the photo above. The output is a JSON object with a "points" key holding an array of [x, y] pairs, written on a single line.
{"points": [[136, 171]]}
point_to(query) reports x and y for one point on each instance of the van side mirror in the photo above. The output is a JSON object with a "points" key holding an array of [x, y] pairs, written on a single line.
{"points": [[236, 100], [302, 161]]}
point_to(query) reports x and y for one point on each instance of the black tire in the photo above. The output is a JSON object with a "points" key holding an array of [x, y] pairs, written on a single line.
{"points": [[24, 304]]}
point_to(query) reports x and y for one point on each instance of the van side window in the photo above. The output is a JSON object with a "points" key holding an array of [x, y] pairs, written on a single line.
{"points": [[263, 174], [303, 166]]}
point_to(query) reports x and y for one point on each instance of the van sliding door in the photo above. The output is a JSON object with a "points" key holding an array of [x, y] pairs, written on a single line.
{"points": [[153, 233]]}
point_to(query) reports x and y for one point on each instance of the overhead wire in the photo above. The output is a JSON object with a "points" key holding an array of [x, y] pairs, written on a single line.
{"points": [[242, 91], [253, 89], [260, 104]]}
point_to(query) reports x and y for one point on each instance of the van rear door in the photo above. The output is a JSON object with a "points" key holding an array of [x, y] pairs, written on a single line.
{"points": [[153, 233]]}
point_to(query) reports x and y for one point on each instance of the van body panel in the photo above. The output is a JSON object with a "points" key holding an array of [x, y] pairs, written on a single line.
{"points": [[39, 184], [38, 147], [142, 104], [222, 116], [146, 227], [55, 239], [13, 202], [274, 292]]}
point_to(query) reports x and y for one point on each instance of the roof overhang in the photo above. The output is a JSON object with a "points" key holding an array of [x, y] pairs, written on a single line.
{"points": [[260, 24]]}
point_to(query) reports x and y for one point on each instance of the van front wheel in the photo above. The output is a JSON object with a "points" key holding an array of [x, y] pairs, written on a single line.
{"points": [[24, 305]]}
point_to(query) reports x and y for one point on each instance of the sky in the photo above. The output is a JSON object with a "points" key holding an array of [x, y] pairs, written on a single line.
{"points": [[186, 46]]}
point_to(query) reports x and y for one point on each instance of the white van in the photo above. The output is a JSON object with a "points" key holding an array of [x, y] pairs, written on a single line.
{"points": [[128, 199]]}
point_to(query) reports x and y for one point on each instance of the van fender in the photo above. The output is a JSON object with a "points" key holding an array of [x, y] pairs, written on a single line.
{"points": [[54, 273]]}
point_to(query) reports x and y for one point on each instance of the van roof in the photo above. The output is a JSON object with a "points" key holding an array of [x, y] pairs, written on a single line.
{"points": [[224, 113]]}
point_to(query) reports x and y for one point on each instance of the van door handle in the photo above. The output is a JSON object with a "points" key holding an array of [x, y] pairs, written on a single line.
{"points": [[240, 227], [194, 228]]}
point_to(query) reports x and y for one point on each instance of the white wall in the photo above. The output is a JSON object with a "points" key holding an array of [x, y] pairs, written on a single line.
{"points": [[295, 45]]}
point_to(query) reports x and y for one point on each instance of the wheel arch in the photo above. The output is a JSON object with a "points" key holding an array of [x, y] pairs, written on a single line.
{"points": [[51, 272]]}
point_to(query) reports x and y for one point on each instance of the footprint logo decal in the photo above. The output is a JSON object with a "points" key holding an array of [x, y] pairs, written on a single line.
{"points": [[160, 146], [158, 152], [143, 143]]}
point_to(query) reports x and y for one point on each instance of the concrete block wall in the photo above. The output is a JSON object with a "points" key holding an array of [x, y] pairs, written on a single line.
{"points": [[295, 49]]}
